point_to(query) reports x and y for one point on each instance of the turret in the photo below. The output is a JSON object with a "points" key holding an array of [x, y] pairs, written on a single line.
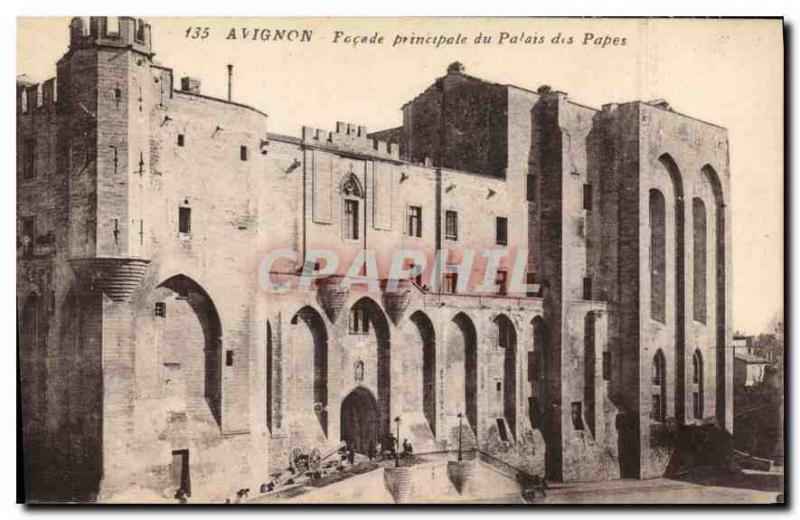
{"points": [[104, 92]]}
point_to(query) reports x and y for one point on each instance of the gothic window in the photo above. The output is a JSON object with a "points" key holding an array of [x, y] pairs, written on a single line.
{"points": [[351, 219], [351, 192], [659, 391], [697, 384]]}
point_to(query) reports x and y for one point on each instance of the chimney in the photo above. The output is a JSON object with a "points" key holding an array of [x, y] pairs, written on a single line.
{"points": [[230, 81], [190, 85]]}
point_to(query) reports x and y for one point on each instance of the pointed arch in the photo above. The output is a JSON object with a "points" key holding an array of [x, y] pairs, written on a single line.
{"points": [[187, 290], [317, 390], [372, 320], [678, 234], [507, 340], [721, 289], [469, 342], [428, 337]]}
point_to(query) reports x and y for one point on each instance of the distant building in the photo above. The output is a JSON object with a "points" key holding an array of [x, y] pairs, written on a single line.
{"points": [[150, 358]]}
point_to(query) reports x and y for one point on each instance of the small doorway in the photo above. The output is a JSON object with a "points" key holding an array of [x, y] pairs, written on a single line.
{"points": [[359, 420], [179, 471]]}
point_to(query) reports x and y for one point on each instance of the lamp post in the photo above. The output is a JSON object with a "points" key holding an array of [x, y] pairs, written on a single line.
{"points": [[460, 416], [397, 442]]}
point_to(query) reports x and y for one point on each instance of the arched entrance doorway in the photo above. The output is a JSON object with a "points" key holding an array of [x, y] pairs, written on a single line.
{"points": [[359, 420]]}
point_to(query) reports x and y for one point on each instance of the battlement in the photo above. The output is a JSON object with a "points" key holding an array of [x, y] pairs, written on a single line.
{"points": [[122, 31], [33, 96], [350, 138]]}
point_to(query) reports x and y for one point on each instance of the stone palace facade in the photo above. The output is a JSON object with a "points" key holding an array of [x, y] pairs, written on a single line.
{"points": [[150, 357]]}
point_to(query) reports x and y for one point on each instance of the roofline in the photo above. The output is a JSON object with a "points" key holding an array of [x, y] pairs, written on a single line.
{"points": [[227, 102]]}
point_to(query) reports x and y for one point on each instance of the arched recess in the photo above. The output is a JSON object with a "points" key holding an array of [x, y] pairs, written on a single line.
{"points": [[589, 369], [311, 340], [537, 374], [678, 234], [428, 338], [507, 341], [721, 275], [181, 340], [377, 324], [463, 354], [359, 421]]}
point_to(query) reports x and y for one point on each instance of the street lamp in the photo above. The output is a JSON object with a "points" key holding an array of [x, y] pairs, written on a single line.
{"points": [[397, 441], [460, 416]]}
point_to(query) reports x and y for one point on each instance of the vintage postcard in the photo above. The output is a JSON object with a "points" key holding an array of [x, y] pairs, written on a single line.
{"points": [[400, 260]]}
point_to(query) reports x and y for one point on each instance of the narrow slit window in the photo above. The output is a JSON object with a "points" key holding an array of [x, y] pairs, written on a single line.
{"points": [[243, 153], [415, 221], [181, 140], [501, 231], [451, 225], [184, 220], [587, 197]]}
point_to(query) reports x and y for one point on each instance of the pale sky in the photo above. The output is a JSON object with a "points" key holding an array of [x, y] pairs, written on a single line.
{"points": [[728, 72]]}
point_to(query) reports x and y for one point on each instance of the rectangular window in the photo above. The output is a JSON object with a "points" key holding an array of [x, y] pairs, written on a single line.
{"points": [[450, 283], [587, 287], [451, 225], [29, 159], [27, 234], [606, 366], [161, 310], [587, 197], [359, 321], [229, 358], [184, 220], [415, 221], [243, 153], [501, 231], [577, 415], [351, 219], [181, 140], [502, 282], [531, 187]]}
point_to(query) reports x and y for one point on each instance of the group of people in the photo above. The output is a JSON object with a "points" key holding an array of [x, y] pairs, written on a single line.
{"points": [[376, 451]]}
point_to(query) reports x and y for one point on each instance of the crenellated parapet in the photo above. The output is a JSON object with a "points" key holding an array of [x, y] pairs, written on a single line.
{"points": [[117, 278], [350, 138], [122, 31], [35, 96]]}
